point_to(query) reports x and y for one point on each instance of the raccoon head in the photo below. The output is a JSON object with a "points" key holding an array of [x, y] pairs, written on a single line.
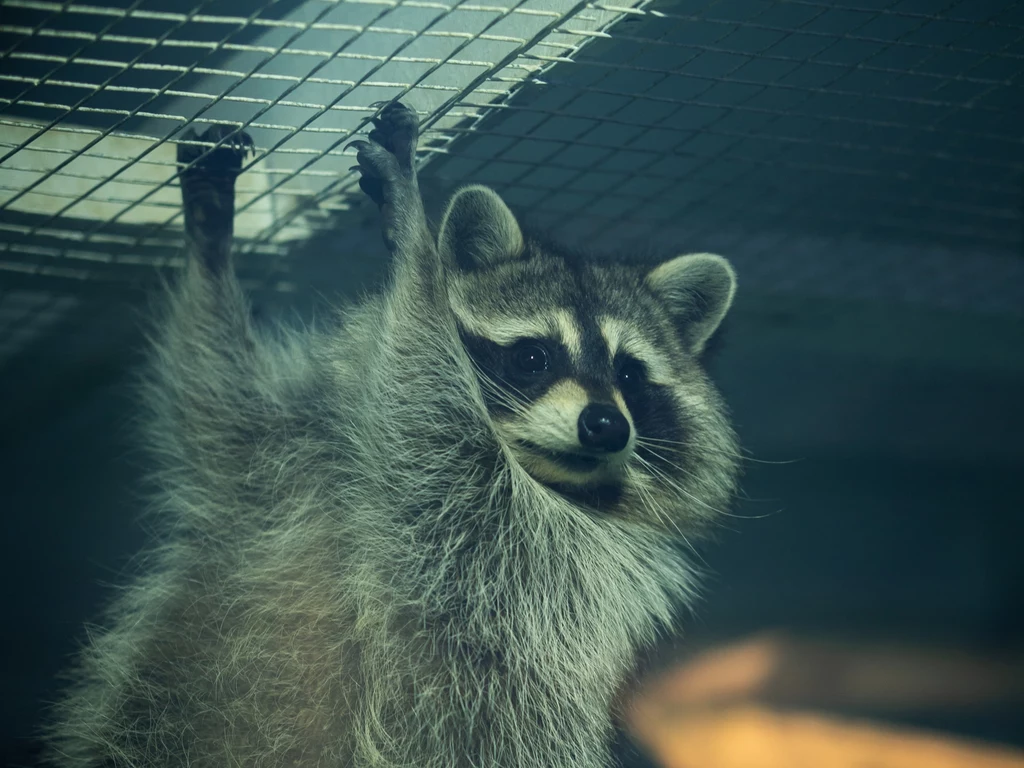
{"points": [[590, 369]]}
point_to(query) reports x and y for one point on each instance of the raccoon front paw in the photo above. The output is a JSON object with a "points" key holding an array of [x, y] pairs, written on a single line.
{"points": [[208, 191], [397, 129], [224, 160], [386, 165]]}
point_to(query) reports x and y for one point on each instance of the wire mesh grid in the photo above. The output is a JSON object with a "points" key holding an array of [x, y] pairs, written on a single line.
{"points": [[94, 95], [855, 148], [862, 149], [290, 93]]}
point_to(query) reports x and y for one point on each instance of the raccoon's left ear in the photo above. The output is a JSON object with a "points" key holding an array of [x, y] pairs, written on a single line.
{"points": [[478, 229], [697, 290]]}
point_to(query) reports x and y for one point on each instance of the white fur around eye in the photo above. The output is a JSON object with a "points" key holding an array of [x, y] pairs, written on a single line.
{"points": [[623, 337], [551, 421]]}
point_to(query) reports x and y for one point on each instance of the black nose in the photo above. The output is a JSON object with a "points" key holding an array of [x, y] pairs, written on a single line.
{"points": [[603, 428]]}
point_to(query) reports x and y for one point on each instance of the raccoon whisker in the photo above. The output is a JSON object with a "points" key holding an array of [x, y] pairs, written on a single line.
{"points": [[656, 510], [506, 399], [644, 493], [683, 444], [671, 482], [652, 505], [514, 391], [703, 449], [680, 446], [503, 397], [664, 477], [506, 395]]}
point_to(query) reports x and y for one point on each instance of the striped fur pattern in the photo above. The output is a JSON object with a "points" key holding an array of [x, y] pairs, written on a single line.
{"points": [[388, 544]]}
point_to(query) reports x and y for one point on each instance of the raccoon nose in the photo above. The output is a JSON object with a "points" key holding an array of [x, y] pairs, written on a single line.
{"points": [[603, 428]]}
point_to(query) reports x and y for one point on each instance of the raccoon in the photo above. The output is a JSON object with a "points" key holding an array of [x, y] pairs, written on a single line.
{"points": [[434, 534]]}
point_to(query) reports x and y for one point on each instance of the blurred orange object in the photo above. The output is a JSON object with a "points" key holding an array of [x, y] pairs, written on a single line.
{"points": [[760, 704], [778, 669], [756, 737]]}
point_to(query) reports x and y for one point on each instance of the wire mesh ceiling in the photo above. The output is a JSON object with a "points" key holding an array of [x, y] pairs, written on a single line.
{"points": [[94, 95], [860, 148], [863, 149], [296, 76]]}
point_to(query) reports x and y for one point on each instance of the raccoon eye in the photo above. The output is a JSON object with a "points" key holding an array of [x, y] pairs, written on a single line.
{"points": [[631, 375], [530, 357]]}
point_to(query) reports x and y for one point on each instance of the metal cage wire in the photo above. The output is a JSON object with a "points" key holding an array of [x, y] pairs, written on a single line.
{"points": [[93, 97], [866, 148], [311, 125], [861, 150]]}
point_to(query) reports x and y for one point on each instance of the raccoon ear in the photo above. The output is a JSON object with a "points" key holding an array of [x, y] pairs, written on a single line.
{"points": [[698, 290], [479, 230]]}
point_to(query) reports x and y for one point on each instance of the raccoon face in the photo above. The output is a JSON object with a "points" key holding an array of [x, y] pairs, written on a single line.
{"points": [[590, 371]]}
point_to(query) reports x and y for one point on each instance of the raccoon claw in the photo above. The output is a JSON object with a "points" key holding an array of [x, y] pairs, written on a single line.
{"points": [[397, 129], [391, 148], [359, 145], [224, 159], [382, 179]]}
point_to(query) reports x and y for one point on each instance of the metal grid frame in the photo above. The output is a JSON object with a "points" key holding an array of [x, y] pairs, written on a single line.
{"points": [[917, 113], [849, 148], [735, 138], [471, 103], [495, 71], [59, 254]]}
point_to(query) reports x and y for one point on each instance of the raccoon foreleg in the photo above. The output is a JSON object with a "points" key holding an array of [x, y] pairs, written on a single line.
{"points": [[208, 193], [211, 387], [387, 164]]}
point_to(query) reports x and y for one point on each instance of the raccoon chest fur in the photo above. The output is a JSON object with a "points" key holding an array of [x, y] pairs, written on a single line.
{"points": [[434, 534]]}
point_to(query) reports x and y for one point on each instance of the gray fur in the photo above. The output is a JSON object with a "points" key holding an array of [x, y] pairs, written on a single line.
{"points": [[360, 569], [698, 289], [480, 230]]}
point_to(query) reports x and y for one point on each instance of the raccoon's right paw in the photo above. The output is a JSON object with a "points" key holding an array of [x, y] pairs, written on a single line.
{"points": [[386, 160], [224, 160], [208, 191], [386, 163]]}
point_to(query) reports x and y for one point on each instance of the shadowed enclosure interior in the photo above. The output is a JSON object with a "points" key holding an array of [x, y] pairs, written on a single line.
{"points": [[860, 162]]}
